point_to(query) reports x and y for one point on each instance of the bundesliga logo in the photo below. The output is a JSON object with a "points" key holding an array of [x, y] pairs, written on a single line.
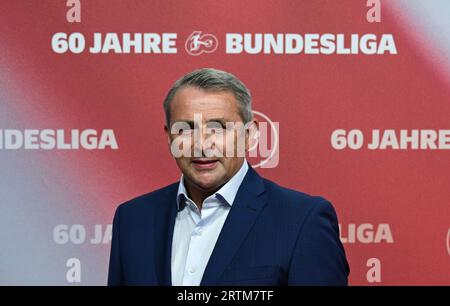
{"points": [[197, 43]]}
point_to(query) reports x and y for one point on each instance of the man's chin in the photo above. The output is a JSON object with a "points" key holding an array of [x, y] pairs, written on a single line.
{"points": [[207, 185]]}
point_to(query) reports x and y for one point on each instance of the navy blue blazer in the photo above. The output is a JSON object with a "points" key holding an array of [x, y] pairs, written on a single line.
{"points": [[272, 236]]}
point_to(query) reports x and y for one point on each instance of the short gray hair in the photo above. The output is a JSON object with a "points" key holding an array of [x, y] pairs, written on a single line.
{"points": [[214, 80]]}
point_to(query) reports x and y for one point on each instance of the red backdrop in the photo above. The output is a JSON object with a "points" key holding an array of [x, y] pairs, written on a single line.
{"points": [[401, 194]]}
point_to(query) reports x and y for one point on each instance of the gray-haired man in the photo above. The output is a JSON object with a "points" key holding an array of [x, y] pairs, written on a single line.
{"points": [[222, 224]]}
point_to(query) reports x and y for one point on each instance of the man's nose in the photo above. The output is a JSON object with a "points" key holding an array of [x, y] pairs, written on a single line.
{"points": [[203, 141]]}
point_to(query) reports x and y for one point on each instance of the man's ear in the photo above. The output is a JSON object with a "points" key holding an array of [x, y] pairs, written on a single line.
{"points": [[251, 134], [167, 131]]}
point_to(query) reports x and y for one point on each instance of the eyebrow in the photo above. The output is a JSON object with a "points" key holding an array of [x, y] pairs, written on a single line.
{"points": [[219, 120], [191, 122], [188, 122]]}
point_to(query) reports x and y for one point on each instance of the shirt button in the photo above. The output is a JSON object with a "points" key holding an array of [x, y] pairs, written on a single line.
{"points": [[192, 270]]}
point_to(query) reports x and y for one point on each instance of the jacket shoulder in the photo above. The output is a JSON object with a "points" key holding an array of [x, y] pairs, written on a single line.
{"points": [[294, 200], [159, 196]]}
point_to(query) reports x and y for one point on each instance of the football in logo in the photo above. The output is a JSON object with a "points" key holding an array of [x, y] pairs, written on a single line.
{"points": [[198, 43]]}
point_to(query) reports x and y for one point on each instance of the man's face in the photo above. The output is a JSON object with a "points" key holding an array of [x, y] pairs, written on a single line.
{"points": [[204, 115]]}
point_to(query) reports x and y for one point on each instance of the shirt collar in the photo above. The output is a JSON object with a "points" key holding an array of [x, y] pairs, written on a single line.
{"points": [[227, 193]]}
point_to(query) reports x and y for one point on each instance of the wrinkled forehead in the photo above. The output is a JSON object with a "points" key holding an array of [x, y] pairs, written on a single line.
{"points": [[190, 102]]}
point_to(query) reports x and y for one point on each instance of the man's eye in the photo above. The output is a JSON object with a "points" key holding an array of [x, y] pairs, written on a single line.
{"points": [[185, 131], [216, 127]]}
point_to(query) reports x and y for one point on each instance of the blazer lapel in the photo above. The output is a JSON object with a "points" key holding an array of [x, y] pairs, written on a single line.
{"points": [[164, 226], [248, 203]]}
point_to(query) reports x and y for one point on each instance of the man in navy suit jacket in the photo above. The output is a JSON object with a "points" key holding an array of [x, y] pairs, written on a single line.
{"points": [[222, 223]]}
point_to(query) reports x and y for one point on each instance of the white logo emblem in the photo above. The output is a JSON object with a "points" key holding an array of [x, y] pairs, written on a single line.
{"points": [[261, 153], [198, 43]]}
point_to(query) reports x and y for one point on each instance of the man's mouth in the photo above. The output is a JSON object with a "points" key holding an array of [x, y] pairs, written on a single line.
{"points": [[204, 163]]}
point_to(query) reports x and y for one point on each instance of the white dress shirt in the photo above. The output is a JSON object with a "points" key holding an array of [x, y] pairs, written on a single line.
{"points": [[196, 231]]}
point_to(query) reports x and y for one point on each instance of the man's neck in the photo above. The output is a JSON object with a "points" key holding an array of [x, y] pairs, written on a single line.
{"points": [[198, 195]]}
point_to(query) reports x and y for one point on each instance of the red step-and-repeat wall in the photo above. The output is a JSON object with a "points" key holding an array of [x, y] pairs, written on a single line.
{"points": [[355, 93]]}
